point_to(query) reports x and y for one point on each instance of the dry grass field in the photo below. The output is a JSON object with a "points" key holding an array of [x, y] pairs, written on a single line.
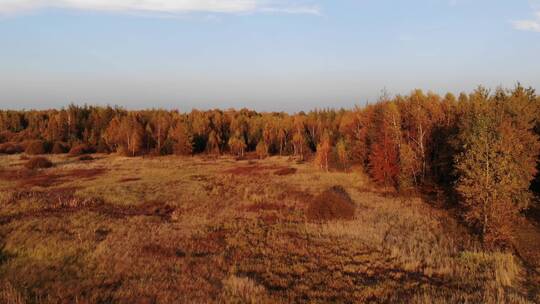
{"points": [[111, 229]]}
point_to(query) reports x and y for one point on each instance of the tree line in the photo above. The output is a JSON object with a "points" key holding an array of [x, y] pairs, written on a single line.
{"points": [[483, 146]]}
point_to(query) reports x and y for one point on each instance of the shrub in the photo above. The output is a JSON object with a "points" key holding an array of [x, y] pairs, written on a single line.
{"points": [[59, 148], [81, 149], [6, 136], [11, 148], [333, 204], [35, 147], [38, 163]]}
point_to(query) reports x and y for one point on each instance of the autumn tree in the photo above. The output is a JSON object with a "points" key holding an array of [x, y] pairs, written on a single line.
{"points": [[262, 150], [324, 149], [496, 164], [181, 138], [125, 135], [343, 154], [237, 145], [353, 128], [213, 143], [159, 128], [409, 167], [384, 154]]}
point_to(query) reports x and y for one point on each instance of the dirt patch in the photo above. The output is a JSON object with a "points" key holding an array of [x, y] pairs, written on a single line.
{"points": [[86, 158], [285, 171], [206, 245], [86, 173], [48, 197], [333, 204], [63, 201], [257, 207], [31, 178], [158, 250], [129, 179], [41, 179], [253, 169]]}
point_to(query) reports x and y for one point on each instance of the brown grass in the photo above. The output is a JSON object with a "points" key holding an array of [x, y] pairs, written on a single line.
{"points": [[190, 232], [285, 171], [333, 204], [38, 163]]}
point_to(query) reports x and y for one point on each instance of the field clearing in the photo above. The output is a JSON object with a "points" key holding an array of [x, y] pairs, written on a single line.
{"points": [[216, 230]]}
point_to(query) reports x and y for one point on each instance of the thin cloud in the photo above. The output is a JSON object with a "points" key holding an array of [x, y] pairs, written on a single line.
{"points": [[307, 10], [158, 6], [532, 25]]}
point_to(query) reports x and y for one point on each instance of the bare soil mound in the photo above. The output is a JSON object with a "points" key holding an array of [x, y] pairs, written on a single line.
{"points": [[333, 204]]}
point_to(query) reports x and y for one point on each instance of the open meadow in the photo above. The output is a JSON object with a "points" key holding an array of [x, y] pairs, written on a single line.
{"points": [[113, 229]]}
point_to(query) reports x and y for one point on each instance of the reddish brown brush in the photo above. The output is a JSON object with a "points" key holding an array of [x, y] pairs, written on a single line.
{"points": [[11, 148], [252, 169], [81, 149], [29, 178], [86, 173], [285, 171], [333, 204], [129, 179], [42, 180]]}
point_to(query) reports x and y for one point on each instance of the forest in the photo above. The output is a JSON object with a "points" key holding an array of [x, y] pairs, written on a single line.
{"points": [[480, 149]]}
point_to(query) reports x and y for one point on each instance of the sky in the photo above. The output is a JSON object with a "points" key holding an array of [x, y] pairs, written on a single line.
{"points": [[267, 55]]}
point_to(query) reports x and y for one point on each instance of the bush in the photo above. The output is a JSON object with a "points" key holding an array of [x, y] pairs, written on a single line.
{"points": [[6, 136], [333, 204], [11, 148], [35, 147], [59, 148], [81, 149], [38, 163]]}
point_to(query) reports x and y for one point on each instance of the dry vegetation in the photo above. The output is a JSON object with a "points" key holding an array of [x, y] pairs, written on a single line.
{"points": [[194, 230]]}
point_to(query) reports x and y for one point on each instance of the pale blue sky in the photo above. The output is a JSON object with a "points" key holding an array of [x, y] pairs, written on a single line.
{"points": [[266, 55]]}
